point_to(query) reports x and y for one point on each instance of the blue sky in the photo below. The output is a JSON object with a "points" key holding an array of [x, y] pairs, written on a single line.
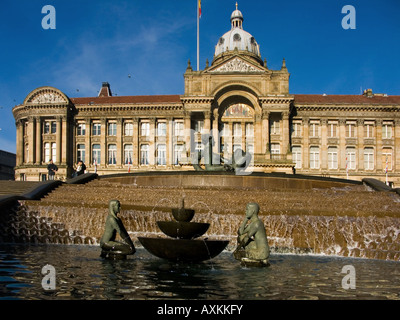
{"points": [[96, 41]]}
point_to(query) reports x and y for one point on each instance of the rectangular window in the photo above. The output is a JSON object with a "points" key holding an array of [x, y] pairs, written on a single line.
{"points": [[198, 126], [387, 159], [296, 129], [332, 158], [96, 153], [128, 153], [112, 129], [387, 131], [161, 129], [237, 130], [274, 126], [369, 159], [81, 129], [81, 152], [275, 148], [144, 154], [128, 129], [96, 129], [145, 129], [112, 154], [225, 130], [314, 129], [314, 158], [46, 127], [350, 129], [161, 155], [54, 152], [368, 129], [178, 128], [332, 129], [351, 158], [53, 127], [47, 152], [178, 149], [249, 130], [296, 154]]}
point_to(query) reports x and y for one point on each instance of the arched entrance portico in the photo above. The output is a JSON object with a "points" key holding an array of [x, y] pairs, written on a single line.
{"points": [[236, 117]]}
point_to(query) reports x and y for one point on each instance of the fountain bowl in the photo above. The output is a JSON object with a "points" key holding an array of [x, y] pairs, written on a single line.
{"points": [[183, 249], [183, 230], [183, 214]]}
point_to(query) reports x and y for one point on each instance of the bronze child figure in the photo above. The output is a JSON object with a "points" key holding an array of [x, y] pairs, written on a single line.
{"points": [[110, 247], [252, 239]]}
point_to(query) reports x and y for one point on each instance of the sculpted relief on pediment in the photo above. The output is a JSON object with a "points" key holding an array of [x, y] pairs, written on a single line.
{"points": [[47, 97], [236, 65]]}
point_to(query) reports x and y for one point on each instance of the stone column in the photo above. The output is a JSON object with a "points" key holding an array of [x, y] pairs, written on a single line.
{"points": [[324, 145], [103, 143], [306, 144], [58, 139], [207, 122], [169, 145], [65, 141], [342, 144], [88, 144], [396, 149], [31, 139], [152, 147], [379, 144], [243, 143], [38, 142], [360, 145], [187, 130], [215, 132], [265, 132], [285, 132], [120, 145], [136, 144], [20, 143]]}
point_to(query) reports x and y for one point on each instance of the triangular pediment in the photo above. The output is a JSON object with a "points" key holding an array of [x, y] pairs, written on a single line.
{"points": [[236, 64], [46, 95]]}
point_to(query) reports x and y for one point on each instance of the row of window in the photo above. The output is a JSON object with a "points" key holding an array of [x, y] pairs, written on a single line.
{"points": [[351, 129], [351, 158], [161, 154], [161, 129], [128, 129]]}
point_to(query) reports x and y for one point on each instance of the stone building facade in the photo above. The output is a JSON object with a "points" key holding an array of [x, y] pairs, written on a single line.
{"points": [[237, 100]]}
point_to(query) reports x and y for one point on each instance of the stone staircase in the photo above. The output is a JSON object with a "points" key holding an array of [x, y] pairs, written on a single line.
{"points": [[16, 187]]}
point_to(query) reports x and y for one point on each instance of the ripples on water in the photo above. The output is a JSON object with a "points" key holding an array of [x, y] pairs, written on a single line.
{"points": [[82, 275]]}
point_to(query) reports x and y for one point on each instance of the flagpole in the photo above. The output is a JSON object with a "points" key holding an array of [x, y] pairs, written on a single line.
{"points": [[198, 34]]}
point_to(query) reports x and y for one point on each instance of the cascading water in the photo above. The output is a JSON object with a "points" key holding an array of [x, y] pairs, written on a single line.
{"points": [[350, 221]]}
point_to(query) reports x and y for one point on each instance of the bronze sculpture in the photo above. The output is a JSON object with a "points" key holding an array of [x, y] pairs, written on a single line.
{"points": [[253, 248], [111, 248]]}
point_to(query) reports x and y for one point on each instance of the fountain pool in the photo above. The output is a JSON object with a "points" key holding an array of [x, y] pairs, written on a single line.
{"points": [[81, 274]]}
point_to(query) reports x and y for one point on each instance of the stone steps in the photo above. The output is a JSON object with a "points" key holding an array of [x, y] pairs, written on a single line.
{"points": [[16, 187]]}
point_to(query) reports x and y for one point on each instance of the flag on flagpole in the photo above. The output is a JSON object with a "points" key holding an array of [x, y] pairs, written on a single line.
{"points": [[199, 8], [347, 169], [95, 166], [129, 166]]}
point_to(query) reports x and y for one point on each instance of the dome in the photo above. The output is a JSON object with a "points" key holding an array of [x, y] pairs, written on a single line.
{"points": [[236, 15], [237, 38]]}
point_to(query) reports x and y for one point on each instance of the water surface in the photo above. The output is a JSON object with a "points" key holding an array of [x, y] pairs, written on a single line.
{"points": [[82, 275]]}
